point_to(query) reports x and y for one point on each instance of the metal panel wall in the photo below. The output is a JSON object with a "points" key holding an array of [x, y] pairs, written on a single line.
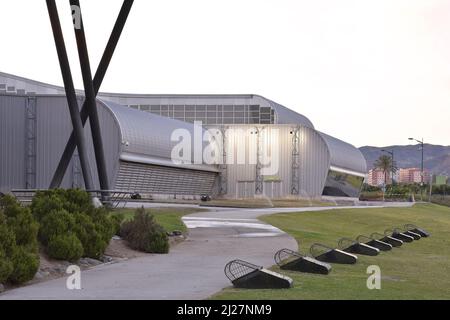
{"points": [[277, 141], [12, 142]]}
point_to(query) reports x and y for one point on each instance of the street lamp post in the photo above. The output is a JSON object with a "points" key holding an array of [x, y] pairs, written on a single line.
{"points": [[392, 163], [421, 167]]}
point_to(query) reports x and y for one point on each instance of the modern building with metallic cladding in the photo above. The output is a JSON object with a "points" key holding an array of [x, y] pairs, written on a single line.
{"points": [[262, 148]]}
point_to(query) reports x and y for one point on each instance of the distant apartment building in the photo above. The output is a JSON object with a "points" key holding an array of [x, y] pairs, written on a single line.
{"points": [[413, 175], [376, 178]]}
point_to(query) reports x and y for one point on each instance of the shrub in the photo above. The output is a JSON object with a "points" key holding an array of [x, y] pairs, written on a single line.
{"points": [[7, 238], [94, 244], [103, 223], [144, 234], [25, 265], [65, 247], [71, 200], [56, 223], [117, 220], [6, 268], [63, 212], [19, 260]]}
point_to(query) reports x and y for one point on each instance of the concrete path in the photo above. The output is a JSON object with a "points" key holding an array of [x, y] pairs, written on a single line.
{"points": [[192, 270]]}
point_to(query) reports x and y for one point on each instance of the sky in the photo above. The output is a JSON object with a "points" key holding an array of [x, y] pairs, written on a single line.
{"points": [[368, 72]]}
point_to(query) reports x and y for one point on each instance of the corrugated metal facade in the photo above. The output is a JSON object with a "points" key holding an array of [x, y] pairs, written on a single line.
{"points": [[127, 134], [171, 181], [138, 144], [278, 143], [12, 142]]}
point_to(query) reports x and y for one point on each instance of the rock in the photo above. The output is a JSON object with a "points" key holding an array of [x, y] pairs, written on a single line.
{"points": [[177, 233], [106, 259], [41, 275], [2, 288], [116, 238]]}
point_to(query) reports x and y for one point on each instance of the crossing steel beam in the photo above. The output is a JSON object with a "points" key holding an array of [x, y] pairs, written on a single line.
{"points": [[97, 82], [70, 92]]}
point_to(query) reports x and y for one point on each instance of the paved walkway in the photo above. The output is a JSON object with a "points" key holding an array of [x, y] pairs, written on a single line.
{"points": [[192, 270]]}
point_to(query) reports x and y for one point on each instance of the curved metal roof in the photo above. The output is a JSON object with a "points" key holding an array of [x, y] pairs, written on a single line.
{"points": [[288, 116], [344, 156], [284, 115], [146, 138]]}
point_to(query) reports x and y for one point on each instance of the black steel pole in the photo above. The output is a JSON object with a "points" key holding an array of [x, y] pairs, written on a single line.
{"points": [[70, 92], [98, 79], [91, 102]]}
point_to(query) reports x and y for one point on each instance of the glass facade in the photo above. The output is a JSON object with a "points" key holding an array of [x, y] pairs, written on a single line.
{"points": [[213, 114], [340, 184]]}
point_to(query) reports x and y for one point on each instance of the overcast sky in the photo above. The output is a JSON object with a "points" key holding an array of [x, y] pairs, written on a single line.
{"points": [[368, 72]]}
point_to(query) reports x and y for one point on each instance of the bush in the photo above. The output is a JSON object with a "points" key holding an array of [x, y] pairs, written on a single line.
{"points": [[94, 244], [25, 265], [63, 212], [71, 200], [144, 234], [19, 259], [6, 268], [117, 220], [54, 224], [65, 247]]}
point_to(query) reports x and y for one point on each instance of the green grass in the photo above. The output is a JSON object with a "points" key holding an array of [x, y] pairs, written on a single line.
{"points": [[418, 270], [169, 218]]}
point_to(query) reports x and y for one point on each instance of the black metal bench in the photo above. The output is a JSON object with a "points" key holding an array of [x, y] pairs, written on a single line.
{"points": [[287, 259], [332, 255], [397, 234], [352, 246], [415, 229], [243, 274], [388, 239], [410, 233], [382, 246]]}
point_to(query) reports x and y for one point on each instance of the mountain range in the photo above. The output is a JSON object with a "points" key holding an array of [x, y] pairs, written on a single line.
{"points": [[436, 158]]}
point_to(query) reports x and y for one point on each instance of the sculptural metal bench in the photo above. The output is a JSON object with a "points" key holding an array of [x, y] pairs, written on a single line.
{"points": [[382, 246], [415, 229], [332, 255], [295, 261], [410, 233], [352, 246], [243, 274], [388, 239], [398, 234]]}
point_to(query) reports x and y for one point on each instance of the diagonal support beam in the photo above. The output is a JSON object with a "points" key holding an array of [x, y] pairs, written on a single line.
{"points": [[98, 79], [77, 124], [90, 101]]}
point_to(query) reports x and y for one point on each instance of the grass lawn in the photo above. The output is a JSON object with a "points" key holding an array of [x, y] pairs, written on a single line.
{"points": [[169, 218], [418, 270]]}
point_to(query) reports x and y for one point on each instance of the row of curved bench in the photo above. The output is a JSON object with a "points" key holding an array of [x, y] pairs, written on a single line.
{"points": [[247, 275]]}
